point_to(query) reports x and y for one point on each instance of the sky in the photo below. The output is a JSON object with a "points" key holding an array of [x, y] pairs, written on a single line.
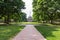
{"points": [[28, 5]]}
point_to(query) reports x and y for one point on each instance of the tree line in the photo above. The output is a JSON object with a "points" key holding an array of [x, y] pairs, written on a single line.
{"points": [[46, 10], [11, 9]]}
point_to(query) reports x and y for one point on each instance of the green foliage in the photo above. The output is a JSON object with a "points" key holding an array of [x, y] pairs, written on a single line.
{"points": [[46, 10], [20, 18], [10, 8], [23, 17]]}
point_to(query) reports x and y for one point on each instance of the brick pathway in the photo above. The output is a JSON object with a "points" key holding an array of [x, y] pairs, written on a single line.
{"points": [[29, 33]]}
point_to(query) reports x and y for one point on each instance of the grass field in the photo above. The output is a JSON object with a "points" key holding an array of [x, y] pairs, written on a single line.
{"points": [[9, 31], [30, 23], [26, 23], [49, 31]]}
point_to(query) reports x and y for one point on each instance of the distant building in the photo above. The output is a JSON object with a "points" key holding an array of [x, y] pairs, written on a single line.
{"points": [[29, 19]]}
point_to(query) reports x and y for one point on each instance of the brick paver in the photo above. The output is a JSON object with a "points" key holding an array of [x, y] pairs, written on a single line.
{"points": [[29, 33]]}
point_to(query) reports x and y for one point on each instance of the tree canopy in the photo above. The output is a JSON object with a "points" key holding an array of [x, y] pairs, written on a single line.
{"points": [[10, 9], [46, 10]]}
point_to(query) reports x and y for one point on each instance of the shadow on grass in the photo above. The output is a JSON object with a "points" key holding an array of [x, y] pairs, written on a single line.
{"points": [[47, 30], [9, 31]]}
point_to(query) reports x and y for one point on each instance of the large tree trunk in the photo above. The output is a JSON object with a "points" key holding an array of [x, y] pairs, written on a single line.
{"points": [[7, 19], [51, 21], [51, 18]]}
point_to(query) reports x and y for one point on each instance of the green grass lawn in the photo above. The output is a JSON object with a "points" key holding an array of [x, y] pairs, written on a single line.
{"points": [[9, 31], [27, 23], [49, 31]]}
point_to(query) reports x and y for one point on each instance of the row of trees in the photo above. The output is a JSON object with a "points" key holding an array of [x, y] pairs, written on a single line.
{"points": [[11, 9], [46, 10]]}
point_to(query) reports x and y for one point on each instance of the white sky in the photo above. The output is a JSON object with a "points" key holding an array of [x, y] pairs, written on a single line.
{"points": [[28, 5]]}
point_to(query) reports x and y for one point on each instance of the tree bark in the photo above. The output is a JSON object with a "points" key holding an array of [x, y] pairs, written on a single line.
{"points": [[51, 21], [7, 19]]}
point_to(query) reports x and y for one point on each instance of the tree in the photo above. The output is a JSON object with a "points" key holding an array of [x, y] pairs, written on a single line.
{"points": [[23, 17], [46, 9], [20, 18], [9, 8]]}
